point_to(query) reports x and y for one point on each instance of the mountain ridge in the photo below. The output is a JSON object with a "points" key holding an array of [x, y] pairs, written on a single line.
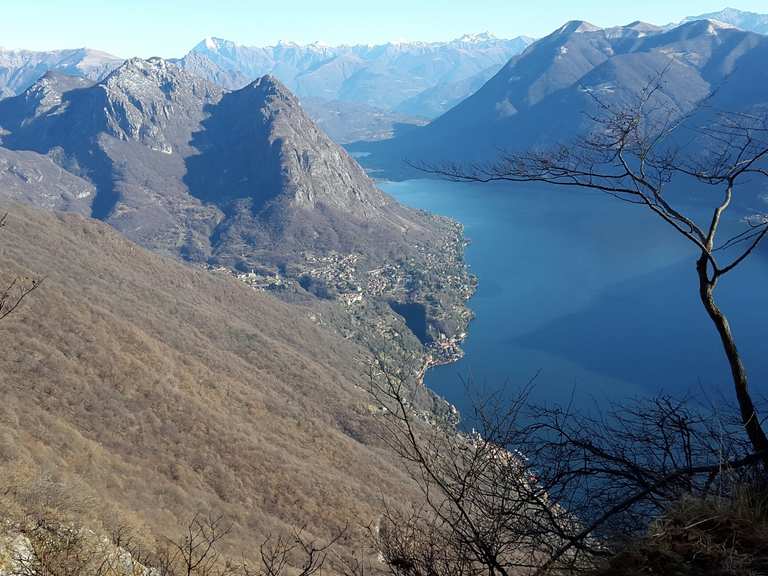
{"points": [[542, 97], [19, 69], [355, 73]]}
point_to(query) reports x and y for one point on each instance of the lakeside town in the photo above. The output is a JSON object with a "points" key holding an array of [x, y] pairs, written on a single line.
{"points": [[362, 301]]}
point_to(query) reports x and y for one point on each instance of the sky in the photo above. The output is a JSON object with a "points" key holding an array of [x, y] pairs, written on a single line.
{"points": [[169, 28]]}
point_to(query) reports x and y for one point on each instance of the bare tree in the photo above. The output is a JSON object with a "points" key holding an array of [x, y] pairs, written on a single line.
{"points": [[17, 289], [634, 154], [277, 554], [197, 552], [542, 489]]}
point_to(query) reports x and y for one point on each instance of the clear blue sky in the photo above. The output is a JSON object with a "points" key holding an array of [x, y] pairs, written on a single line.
{"points": [[171, 27]]}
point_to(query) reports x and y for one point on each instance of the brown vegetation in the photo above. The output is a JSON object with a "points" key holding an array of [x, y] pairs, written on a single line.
{"points": [[702, 537], [153, 391]]}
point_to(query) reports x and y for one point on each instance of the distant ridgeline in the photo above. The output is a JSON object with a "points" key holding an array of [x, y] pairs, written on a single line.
{"points": [[414, 78], [243, 181], [546, 96], [353, 92]]}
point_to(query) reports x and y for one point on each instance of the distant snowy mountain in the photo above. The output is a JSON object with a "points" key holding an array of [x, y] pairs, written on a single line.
{"points": [[19, 69], [382, 76], [749, 21]]}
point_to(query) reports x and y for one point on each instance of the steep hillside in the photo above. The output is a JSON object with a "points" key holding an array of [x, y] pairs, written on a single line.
{"points": [[544, 96], [155, 390]]}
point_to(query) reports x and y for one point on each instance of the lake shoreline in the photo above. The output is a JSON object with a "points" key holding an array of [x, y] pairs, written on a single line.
{"points": [[597, 296]]}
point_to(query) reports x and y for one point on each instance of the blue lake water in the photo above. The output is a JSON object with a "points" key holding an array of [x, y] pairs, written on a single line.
{"points": [[595, 296]]}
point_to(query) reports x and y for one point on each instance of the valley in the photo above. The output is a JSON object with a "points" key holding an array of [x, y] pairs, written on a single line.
{"points": [[384, 307]]}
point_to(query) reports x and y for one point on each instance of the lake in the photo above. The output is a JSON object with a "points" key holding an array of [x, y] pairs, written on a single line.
{"points": [[595, 298]]}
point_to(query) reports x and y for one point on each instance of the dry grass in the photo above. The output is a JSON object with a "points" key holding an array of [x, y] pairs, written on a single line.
{"points": [[153, 391], [703, 537]]}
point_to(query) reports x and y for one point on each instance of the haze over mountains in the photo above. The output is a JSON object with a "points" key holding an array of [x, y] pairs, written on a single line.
{"points": [[358, 92], [388, 76], [372, 87]]}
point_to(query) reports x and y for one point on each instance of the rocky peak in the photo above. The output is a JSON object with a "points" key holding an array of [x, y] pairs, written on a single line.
{"points": [[697, 29], [152, 100], [641, 26], [281, 155], [142, 78], [475, 39], [47, 92], [215, 45], [749, 21], [273, 90]]}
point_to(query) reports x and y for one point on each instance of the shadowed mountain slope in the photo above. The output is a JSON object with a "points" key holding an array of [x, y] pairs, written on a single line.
{"points": [[32, 178], [545, 96], [183, 167]]}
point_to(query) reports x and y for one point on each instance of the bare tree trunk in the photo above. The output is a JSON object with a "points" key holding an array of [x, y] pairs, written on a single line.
{"points": [[747, 408]]}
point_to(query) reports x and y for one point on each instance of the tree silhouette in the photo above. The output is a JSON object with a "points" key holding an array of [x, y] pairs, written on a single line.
{"points": [[639, 152]]}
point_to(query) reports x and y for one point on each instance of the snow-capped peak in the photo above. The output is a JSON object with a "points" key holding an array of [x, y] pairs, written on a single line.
{"points": [[576, 27], [476, 38], [719, 24]]}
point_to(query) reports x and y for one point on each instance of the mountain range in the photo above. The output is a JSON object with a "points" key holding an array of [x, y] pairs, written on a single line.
{"points": [[388, 76], [218, 271], [242, 180], [357, 92], [545, 96], [373, 89], [19, 69]]}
